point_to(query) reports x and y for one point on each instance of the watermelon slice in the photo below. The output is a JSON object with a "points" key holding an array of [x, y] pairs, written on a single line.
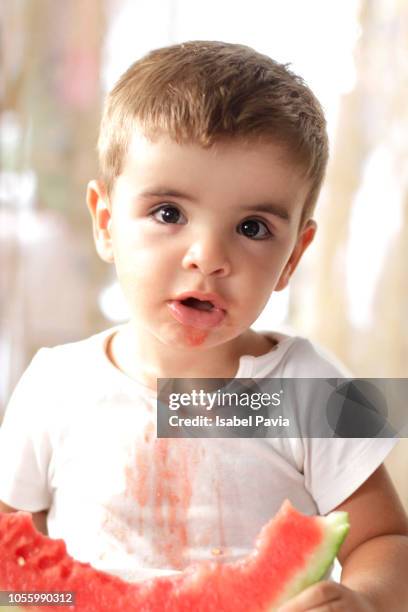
{"points": [[292, 551]]}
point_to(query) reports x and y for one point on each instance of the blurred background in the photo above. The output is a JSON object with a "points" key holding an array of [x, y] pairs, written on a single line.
{"points": [[57, 61]]}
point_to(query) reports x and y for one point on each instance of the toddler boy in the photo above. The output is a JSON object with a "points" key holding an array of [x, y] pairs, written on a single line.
{"points": [[212, 157]]}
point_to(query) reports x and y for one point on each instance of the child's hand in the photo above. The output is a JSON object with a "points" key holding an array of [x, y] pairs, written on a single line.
{"points": [[329, 597]]}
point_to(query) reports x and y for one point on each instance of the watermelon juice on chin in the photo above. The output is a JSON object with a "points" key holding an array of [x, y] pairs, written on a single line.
{"points": [[291, 552]]}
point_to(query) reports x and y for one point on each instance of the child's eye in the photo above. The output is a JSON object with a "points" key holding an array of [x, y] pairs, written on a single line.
{"points": [[168, 214], [251, 229]]}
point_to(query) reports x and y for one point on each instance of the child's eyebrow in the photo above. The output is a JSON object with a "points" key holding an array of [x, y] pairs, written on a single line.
{"points": [[167, 193], [272, 208]]}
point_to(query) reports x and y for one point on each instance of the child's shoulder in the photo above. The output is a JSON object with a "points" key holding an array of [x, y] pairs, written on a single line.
{"points": [[70, 360], [76, 348], [295, 356], [61, 375]]}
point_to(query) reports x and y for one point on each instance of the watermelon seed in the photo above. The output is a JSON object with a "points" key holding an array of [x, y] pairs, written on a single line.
{"points": [[216, 551], [21, 561]]}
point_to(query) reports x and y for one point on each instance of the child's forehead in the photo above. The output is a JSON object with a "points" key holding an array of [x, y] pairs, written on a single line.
{"points": [[229, 173], [146, 146]]}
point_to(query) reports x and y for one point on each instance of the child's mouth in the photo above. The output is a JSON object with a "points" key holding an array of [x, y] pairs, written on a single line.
{"points": [[198, 304], [196, 313]]}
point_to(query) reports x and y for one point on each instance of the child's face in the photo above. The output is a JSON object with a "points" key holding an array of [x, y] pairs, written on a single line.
{"points": [[206, 236]]}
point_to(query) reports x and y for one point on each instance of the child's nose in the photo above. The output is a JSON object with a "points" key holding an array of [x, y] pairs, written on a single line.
{"points": [[208, 255]]}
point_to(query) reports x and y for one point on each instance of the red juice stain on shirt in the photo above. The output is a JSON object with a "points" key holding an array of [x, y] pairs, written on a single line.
{"points": [[149, 432], [195, 336], [221, 533], [139, 488], [160, 481]]}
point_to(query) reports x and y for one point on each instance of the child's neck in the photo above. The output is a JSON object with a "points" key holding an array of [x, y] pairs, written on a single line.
{"points": [[132, 352]]}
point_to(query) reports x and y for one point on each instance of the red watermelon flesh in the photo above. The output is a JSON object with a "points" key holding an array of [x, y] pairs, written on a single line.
{"points": [[292, 551]]}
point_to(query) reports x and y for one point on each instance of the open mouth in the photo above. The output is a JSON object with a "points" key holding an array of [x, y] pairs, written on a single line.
{"points": [[193, 312], [192, 302]]}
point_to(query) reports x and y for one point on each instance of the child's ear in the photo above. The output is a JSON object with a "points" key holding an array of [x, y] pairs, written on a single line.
{"points": [[99, 208], [305, 237]]}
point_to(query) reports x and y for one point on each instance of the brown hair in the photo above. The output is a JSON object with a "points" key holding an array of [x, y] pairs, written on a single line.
{"points": [[209, 91]]}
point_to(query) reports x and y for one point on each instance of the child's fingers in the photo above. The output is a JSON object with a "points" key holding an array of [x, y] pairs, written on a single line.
{"points": [[328, 597], [317, 598]]}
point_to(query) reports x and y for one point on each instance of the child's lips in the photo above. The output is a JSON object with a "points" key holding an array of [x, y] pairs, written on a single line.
{"points": [[201, 319], [214, 298]]}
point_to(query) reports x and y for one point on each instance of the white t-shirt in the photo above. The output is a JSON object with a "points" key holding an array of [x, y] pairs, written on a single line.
{"points": [[79, 438]]}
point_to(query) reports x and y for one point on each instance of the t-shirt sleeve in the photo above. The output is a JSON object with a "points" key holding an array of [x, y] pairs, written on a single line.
{"points": [[25, 448], [336, 467], [333, 467]]}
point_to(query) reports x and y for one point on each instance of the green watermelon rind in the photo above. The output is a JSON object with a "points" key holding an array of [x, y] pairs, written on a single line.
{"points": [[335, 527]]}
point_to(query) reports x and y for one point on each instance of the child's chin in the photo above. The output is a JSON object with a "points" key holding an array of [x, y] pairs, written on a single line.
{"points": [[184, 336]]}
